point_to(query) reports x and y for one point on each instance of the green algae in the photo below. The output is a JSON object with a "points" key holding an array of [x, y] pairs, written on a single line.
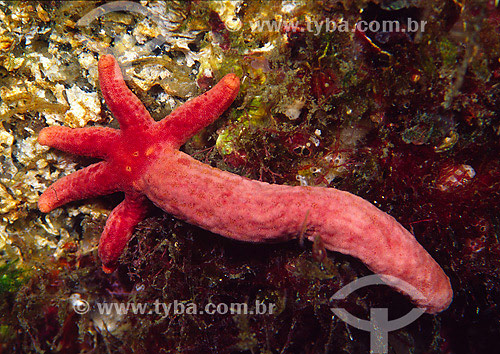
{"points": [[11, 278], [449, 52]]}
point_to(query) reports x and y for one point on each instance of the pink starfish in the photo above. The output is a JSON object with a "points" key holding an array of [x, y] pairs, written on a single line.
{"points": [[142, 159]]}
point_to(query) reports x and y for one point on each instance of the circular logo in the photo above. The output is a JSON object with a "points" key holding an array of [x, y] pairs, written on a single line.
{"points": [[379, 324], [80, 306]]}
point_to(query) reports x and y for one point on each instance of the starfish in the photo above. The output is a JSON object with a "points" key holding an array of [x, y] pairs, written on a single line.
{"points": [[142, 159]]}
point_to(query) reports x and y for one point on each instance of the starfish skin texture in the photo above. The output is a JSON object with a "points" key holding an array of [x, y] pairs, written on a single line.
{"points": [[142, 159]]}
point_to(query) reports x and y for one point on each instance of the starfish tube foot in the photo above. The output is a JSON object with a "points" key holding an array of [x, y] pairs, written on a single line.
{"points": [[142, 159]]}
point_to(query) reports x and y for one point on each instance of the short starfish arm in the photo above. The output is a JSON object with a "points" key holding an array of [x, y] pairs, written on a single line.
{"points": [[119, 228], [201, 111], [125, 106], [94, 180], [93, 142]]}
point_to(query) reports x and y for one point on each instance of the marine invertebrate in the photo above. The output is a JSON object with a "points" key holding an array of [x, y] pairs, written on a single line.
{"points": [[454, 176], [142, 159]]}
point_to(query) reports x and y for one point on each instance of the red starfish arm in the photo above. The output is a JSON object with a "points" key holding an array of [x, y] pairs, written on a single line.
{"points": [[119, 228], [125, 106], [253, 211], [94, 180], [93, 142], [201, 111]]}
